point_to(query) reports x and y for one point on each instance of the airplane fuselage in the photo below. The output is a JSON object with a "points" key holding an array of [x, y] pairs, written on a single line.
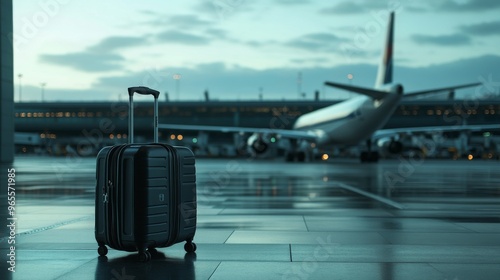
{"points": [[351, 121]]}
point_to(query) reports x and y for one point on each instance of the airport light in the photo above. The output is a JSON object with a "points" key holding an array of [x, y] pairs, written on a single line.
{"points": [[195, 140], [350, 77], [20, 86], [177, 78], [42, 87], [324, 157], [180, 137], [172, 136], [470, 157]]}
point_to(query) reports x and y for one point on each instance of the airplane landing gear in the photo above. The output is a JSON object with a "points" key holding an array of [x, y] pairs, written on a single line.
{"points": [[369, 156], [291, 156], [295, 153]]}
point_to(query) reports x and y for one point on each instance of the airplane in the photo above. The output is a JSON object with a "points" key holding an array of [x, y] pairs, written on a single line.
{"points": [[349, 122]]}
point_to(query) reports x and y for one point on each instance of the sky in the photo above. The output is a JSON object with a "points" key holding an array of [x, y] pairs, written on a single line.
{"points": [[75, 50]]}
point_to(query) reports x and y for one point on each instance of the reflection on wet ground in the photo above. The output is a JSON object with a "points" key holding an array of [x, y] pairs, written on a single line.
{"points": [[272, 220], [160, 264]]}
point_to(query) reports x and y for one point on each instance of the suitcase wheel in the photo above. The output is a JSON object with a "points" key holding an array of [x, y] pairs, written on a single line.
{"points": [[144, 256], [102, 250], [190, 247]]}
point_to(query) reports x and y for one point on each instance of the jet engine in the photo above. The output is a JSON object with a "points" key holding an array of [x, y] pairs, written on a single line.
{"points": [[258, 144]]}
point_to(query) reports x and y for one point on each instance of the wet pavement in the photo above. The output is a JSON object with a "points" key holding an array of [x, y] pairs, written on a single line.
{"points": [[266, 219]]}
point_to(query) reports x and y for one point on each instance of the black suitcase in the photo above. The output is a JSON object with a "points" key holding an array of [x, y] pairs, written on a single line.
{"points": [[145, 193]]}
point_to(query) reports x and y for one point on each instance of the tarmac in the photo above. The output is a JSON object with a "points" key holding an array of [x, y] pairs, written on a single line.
{"points": [[266, 219]]}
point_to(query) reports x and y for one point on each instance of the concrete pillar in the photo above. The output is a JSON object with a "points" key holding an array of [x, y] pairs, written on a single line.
{"points": [[6, 130], [6, 85]]}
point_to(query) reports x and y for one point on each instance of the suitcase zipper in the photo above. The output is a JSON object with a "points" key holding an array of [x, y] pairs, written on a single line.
{"points": [[115, 192], [109, 199], [105, 187], [105, 191]]}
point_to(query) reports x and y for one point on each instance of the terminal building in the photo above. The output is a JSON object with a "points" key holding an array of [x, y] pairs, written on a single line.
{"points": [[85, 127]]}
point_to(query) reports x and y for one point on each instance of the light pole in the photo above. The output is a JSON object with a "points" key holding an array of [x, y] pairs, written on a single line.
{"points": [[350, 77], [177, 78], [20, 86], [42, 86], [299, 84]]}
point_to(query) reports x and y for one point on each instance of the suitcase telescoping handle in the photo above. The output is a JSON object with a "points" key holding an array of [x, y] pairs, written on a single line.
{"points": [[144, 91]]}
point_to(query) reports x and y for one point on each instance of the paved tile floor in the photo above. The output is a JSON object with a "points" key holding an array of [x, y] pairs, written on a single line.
{"points": [[272, 220]]}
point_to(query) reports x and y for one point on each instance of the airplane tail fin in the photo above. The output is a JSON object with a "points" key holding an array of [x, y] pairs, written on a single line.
{"points": [[384, 75]]}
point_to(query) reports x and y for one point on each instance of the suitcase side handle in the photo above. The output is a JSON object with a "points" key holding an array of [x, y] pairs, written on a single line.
{"points": [[144, 91]]}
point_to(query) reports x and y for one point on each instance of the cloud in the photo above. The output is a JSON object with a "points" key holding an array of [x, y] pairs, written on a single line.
{"points": [[482, 29], [466, 5], [302, 61], [188, 21], [417, 7], [327, 43], [316, 42], [223, 9], [345, 8], [155, 18], [442, 40], [184, 22], [216, 33], [234, 83], [185, 29], [85, 61], [97, 58], [359, 7], [259, 44], [172, 36], [365, 6], [113, 43], [292, 2]]}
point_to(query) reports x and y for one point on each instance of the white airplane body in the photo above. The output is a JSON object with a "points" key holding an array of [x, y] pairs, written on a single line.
{"points": [[352, 121], [348, 122]]}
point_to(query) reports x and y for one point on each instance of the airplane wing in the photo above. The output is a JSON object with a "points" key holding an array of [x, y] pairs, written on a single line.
{"points": [[437, 90], [394, 131], [286, 133], [377, 94]]}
